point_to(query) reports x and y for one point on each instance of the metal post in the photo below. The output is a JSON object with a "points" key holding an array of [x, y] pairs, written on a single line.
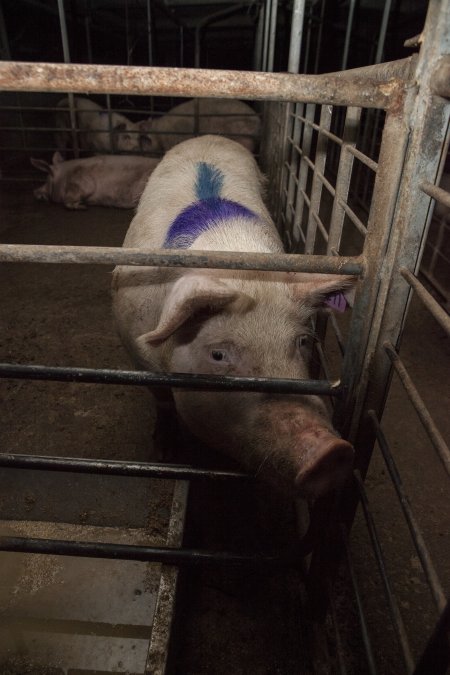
{"points": [[66, 54], [295, 46], [272, 36], [348, 32]]}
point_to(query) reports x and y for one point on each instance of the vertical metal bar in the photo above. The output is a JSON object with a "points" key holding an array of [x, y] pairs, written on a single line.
{"points": [[149, 34], [348, 32], [181, 46], [267, 12], [319, 167], [295, 45], [198, 30], [383, 30], [110, 127], [303, 174], [257, 52], [66, 54], [87, 28], [319, 37], [273, 35], [343, 178]]}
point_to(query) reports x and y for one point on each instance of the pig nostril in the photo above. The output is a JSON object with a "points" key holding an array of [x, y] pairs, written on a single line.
{"points": [[326, 469]]}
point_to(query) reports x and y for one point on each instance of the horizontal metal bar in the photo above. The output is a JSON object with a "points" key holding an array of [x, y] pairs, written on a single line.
{"points": [[362, 88], [397, 620], [416, 534], [269, 262], [166, 556], [116, 468], [436, 193], [178, 380], [430, 303], [425, 417]]}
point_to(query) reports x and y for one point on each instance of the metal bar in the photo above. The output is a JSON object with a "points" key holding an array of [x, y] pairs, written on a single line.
{"points": [[180, 380], [416, 535], [273, 35], [343, 178], [430, 303], [116, 468], [303, 172], [421, 409], [282, 262], [362, 621], [397, 620], [267, 6], [436, 192], [295, 45], [158, 649], [348, 32], [436, 656], [362, 87], [383, 30], [167, 556], [316, 188]]}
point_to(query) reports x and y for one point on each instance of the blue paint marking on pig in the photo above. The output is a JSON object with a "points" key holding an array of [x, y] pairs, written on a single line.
{"points": [[207, 213]]}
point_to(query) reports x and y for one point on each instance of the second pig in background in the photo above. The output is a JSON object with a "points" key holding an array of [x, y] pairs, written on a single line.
{"points": [[225, 117]]}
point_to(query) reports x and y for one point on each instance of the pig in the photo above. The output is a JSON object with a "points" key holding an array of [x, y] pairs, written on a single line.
{"points": [[206, 195], [227, 117], [103, 180], [93, 121]]}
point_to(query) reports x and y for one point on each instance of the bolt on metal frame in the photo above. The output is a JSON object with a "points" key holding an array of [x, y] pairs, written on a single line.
{"points": [[295, 155]]}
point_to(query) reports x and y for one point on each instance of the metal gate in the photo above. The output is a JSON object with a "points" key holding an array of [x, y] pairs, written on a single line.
{"points": [[312, 156]]}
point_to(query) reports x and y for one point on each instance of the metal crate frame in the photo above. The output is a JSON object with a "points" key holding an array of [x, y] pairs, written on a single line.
{"points": [[414, 94]]}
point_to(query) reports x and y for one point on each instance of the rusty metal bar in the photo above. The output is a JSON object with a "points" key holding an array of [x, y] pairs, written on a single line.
{"points": [[419, 406], [436, 192], [416, 534], [364, 87], [316, 188], [430, 303], [269, 262]]}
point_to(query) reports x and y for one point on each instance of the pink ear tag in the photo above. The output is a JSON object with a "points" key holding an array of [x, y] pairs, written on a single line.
{"points": [[337, 301]]}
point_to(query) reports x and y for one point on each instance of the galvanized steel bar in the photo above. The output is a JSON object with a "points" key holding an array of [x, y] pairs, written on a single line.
{"points": [[351, 125], [282, 262], [316, 188], [167, 556], [421, 409], [396, 617], [436, 193], [360, 88], [295, 44], [272, 36], [416, 534], [179, 380], [430, 303], [304, 151], [108, 467], [383, 30]]}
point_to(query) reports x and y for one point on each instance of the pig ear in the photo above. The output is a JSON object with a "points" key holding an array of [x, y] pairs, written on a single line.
{"points": [[41, 164], [57, 158], [189, 294], [326, 290]]}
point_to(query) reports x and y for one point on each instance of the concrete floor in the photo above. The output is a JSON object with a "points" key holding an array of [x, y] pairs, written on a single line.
{"points": [[230, 621]]}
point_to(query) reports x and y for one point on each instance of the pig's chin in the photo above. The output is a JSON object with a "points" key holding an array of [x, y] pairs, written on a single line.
{"points": [[288, 444]]}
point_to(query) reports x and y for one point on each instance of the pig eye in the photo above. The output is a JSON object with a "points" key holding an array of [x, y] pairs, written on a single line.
{"points": [[218, 355]]}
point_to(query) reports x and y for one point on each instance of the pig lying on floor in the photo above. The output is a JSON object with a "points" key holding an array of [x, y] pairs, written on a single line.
{"points": [[103, 180], [206, 195]]}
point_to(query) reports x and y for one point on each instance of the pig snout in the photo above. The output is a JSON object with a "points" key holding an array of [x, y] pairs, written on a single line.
{"points": [[324, 462]]}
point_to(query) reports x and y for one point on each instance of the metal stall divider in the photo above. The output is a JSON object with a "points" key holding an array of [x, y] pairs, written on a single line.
{"points": [[295, 159]]}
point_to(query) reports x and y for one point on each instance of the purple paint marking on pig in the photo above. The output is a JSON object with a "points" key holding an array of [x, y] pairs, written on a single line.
{"points": [[202, 216]]}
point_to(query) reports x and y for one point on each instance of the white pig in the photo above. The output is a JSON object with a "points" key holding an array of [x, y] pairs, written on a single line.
{"points": [[103, 180], [227, 117], [93, 121], [206, 195]]}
